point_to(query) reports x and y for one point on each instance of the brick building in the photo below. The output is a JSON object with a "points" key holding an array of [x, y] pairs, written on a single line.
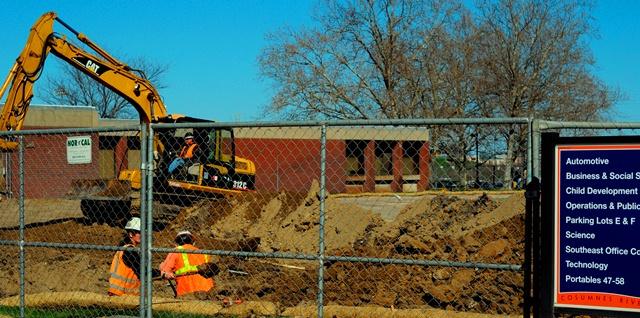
{"points": [[358, 159]]}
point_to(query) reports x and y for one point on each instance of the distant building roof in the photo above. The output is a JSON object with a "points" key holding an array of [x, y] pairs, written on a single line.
{"points": [[337, 133], [65, 116], [51, 116]]}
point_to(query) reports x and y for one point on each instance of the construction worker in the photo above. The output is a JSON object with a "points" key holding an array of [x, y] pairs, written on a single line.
{"points": [[183, 267], [187, 152], [125, 266]]}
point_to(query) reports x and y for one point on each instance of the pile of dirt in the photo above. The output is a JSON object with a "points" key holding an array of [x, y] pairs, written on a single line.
{"points": [[438, 228]]}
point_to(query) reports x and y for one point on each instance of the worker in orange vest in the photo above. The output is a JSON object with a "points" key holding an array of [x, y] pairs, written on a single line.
{"points": [[187, 152], [183, 267], [125, 267]]}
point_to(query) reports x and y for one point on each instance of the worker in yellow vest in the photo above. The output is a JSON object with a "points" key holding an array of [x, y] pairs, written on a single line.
{"points": [[183, 267], [124, 276]]}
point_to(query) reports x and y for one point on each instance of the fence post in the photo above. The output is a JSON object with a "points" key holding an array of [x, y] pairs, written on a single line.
{"points": [[535, 148], [529, 175], [21, 222], [532, 196], [143, 222], [148, 197], [8, 180], [323, 166]]}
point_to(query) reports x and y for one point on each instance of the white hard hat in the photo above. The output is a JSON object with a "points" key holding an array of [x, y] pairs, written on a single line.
{"points": [[184, 233], [133, 224]]}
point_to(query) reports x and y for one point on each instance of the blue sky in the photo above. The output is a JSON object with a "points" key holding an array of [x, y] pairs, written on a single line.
{"points": [[211, 47], [617, 52]]}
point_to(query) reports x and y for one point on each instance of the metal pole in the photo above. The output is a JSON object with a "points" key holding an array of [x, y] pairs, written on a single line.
{"points": [[535, 149], [21, 222], [477, 159], [8, 182], [149, 213], [323, 163], [532, 196], [529, 150], [143, 218]]}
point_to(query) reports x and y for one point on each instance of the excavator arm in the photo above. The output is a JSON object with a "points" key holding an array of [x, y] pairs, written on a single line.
{"points": [[102, 67], [219, 173]]}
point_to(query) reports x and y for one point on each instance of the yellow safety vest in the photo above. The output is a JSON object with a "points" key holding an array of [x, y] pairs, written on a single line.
{"points": [[186, 265]]}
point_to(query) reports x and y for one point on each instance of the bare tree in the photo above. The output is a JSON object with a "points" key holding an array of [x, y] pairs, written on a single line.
{"points": [[533, 61], [73, 87], [436, 59], [365, 60]]}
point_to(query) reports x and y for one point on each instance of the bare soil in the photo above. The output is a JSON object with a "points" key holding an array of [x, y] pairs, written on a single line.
{"points": [[434, 226], [40, 211]]}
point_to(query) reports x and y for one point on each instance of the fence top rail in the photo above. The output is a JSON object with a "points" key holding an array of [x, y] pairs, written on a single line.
{"points": [[258, 124], [363, 122], [57, 131], [547, 124]]}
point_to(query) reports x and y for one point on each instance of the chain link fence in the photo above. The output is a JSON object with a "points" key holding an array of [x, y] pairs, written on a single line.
{"points": [[300, 219]]}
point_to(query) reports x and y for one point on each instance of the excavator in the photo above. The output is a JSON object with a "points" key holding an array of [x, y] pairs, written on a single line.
{"points": [[215, 172]]}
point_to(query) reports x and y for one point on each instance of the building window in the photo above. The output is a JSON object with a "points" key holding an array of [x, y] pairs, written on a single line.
{"points": [[133, 153], [411, 158], [355, 157], [106, 157], [384, 163]]}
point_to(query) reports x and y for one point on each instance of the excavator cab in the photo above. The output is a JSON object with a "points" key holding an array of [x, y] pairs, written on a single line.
{"points": [[213, 169]]}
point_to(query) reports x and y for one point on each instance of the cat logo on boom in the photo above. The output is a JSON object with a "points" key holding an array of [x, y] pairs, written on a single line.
{"points": [[91, 65]]}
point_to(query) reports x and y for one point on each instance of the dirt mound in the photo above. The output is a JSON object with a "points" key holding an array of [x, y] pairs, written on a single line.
{"points": [[443, 229], [437, 228]]}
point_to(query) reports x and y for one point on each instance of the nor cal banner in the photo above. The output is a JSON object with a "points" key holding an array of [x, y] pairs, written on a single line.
{"points": [[79, 150], [597, 227]]}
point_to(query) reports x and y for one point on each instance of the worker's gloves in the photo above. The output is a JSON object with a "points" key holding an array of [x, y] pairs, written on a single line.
{"points": [[168, 275]]}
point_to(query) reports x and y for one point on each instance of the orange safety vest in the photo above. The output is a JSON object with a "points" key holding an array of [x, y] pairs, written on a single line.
{"points": [[188, 264], [187, 151], [123, 279]]}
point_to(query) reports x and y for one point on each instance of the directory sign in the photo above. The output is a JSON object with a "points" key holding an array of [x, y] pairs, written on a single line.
{"points": [[597, 227]]}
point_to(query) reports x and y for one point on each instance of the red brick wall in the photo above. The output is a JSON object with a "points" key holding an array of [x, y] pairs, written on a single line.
{"points": [[281, 164], [46, 171], [293, 164]]}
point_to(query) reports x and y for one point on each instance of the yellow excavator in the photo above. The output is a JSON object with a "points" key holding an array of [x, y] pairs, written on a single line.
{"points": [[215, 171]]}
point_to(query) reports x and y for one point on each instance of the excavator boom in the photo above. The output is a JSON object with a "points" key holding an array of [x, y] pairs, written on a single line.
{"points": [[102, 67]]}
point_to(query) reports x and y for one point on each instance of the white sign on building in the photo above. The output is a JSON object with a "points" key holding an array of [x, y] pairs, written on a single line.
{"points": [[79, 150]]}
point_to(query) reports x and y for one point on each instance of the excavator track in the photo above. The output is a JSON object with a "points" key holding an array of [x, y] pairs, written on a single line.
{"points": [[113, 202], [109, 210], [116, 211]]}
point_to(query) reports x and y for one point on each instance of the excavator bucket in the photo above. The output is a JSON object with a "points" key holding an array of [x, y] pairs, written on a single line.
{"points": [[103, 201], [8, 145]]}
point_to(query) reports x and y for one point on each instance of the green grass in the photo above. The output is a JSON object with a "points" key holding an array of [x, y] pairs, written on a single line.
{"points": [[65, 313]]}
